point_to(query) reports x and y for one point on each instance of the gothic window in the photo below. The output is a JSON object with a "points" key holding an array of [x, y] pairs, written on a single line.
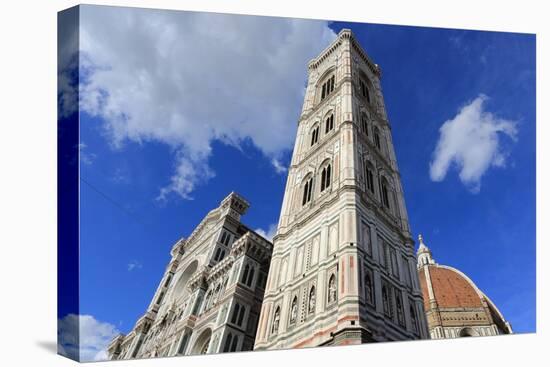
{"points": [[364, 123], [385, 192], [399, 307], [377, 138], [329, 123], [327, 88], [413, 317], [332, 289], [250, 277], [325, 177], [394, 265], [369, 177], [234, 344], [369, 288], [311, 301], [235, 315], [183, 343], [161, 296], [407, 271], [241, 316], [307, 191], [382, 252], [197, 306], [294, 310], [207, 300], [364, 90], [168, 279], [366, 239], [276, 319], [217, 255], [315, 135], [386, 301], [217, 294], [245, 274], [227, 345], [224, 236]]}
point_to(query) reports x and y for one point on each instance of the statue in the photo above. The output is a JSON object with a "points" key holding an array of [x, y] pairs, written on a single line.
{"points": [[311, 306], [332, 289], [275, 326], [293, 311]]}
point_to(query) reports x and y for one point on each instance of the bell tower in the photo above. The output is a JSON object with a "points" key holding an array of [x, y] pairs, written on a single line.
{"points": [[343, 269]]}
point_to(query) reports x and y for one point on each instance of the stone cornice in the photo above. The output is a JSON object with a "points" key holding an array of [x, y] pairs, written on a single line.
{"points": [[253, 245], [345, 34]]}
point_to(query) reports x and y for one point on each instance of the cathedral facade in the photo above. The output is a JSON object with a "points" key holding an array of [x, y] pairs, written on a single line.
{"points": [[343, 264], [209, 298], [455, 306]]}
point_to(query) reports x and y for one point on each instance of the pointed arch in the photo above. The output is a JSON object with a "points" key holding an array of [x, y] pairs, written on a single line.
{"points": [[311, 300], [376, 137], [332, 292], [293, 310], [245, 274], [326, 174], [329, 122], [307, 189], [276, 320], [369, 290]]}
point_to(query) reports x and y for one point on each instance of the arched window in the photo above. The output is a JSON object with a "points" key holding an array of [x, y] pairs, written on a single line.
{"points": [[315, 135], [386, 301], [183, 342], [276, 319], [250, 277], [234, 344], [368, 289], [235, 315], [364, 123], [399, 307], [168, 279], [332, 289], [207, 300], [325, 177], [369, 177], [294, 310], [217, 255], [245, 274], [413, 318], [311, 301], [327, 87], [307, 191], [241, 316], [329, 123], [227, 345], [364, 90], [377, 141], [385, 192]]}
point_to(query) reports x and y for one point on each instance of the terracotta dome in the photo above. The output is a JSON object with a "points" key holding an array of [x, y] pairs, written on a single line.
{"points": [[454, 305], [451, 288]]}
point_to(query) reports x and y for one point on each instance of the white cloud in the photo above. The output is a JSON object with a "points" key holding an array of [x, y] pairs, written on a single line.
{"points": [[270, 233], [186, 79], [134, 265], [84, 338], [279, 167], [471, 141]]}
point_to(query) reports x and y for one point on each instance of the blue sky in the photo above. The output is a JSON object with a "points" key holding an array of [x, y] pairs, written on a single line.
{"points": [[166, 134]]}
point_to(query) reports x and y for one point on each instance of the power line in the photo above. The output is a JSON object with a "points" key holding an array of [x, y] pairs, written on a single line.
{"points": [[115, 203]]}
